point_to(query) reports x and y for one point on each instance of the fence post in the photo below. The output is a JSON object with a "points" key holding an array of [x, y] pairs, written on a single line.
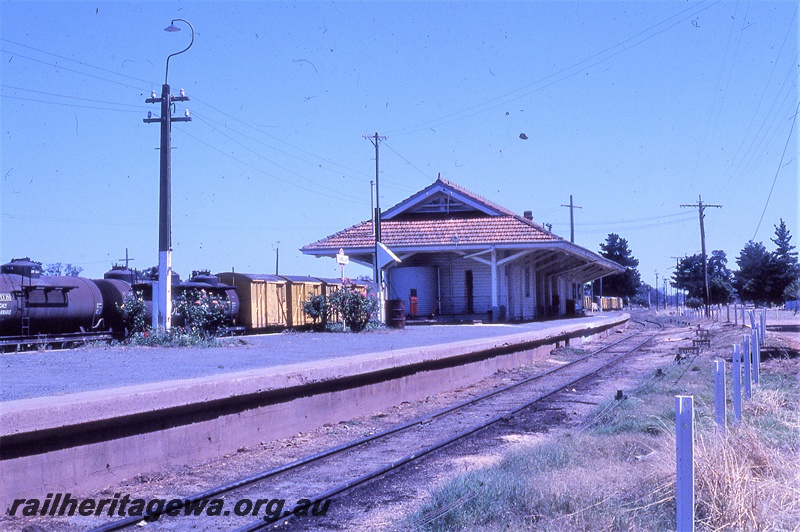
{"points": [[748, 368], [753, 319], [737, 384], [719, 395], [756, 348], [763, 328], [684, 438]]}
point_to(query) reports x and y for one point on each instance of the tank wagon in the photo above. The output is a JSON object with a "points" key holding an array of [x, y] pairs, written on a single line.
{"points": [[33, 304]]}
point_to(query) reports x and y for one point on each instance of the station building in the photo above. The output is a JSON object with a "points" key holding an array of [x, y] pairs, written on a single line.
{"points": [[463, 255]]}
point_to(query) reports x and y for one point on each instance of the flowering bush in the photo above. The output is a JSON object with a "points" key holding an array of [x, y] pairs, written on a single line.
{"points": [[356, 308], [202, 312], [133, 312]]}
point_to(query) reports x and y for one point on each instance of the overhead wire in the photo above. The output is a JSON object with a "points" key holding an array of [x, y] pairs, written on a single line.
{"points": [[777, 171], [507, 97], [708, 140], [324, 165], [347, 198], [427, 177], [291, 172]]}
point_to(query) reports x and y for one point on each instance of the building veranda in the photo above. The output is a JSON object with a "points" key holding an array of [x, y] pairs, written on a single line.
{"points": [[461, 255]]}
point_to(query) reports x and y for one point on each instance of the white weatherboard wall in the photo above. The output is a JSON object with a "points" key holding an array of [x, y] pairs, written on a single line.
{"points": [[425, 279]]}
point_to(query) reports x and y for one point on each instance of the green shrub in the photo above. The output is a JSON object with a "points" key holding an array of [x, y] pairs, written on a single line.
{"points": [[318, 309]]}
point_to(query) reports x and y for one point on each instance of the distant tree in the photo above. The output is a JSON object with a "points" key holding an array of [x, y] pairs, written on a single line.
{"points": [[624, 284], [756, 275], [787, 269], [792, 292], [689, 276], [58, 268]]}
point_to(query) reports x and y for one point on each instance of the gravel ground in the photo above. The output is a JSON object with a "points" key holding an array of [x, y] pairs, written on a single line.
{"points": [[44, 373]]}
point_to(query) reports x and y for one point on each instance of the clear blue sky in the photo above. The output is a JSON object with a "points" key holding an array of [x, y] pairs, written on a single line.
{"points": [[634, 108]]}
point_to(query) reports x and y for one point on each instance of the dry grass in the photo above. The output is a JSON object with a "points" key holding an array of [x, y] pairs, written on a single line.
{"points": [[743, 484], [618, 473]]}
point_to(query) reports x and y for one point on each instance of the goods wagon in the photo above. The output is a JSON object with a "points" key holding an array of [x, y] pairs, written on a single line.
{"points": [[603, 303], [299, 288], [262, 299]]}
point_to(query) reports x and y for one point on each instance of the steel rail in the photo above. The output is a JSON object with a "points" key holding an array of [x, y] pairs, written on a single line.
{"points": [[346, 486], [263, 475]]}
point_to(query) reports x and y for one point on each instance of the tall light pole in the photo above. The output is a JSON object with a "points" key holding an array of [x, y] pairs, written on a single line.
{"points": [[162, 297]]}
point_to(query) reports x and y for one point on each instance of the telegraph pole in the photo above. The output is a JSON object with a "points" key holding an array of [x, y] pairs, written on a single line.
{"points": [[677, 292], [571, 218], [377, 271], [162, 313], [701, 207], [656, 290]]}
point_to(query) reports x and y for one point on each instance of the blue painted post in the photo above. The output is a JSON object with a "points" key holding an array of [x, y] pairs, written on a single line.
{"points": [[748, 373], [719, 395], [763, 327], [736, 315], [684, 439], [737, 384], [752, 320]]}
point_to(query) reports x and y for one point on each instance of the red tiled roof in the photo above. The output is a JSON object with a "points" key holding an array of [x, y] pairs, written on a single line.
{"points": [[439, 232]]}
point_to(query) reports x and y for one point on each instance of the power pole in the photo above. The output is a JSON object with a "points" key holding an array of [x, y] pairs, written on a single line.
{"points": [[376, 216], [571, 218], [656, 290], [701, 207], [277, 248], [677, 292], [162, 317], [127, 259]]}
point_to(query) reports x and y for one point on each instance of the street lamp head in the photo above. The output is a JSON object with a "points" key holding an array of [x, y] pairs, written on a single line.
{"points": [[173, 28]]}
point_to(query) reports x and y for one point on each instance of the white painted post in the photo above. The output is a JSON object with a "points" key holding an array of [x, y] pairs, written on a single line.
{"points": [[748, 373], [753, 319], [763, 327], [737, 384], [719, 395], [756, 348], [736, 315], [684, 439]]}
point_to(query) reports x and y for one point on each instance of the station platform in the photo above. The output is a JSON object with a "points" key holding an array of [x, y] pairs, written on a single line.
{"points": [[83, 419]]}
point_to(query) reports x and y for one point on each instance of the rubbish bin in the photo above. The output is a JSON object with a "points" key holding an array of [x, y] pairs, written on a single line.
{"points": [[396, 313]]}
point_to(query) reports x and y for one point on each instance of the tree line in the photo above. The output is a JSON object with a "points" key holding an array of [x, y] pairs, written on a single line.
{"points": [[764, 277]]}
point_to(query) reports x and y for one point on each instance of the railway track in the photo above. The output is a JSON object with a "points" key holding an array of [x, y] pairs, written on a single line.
{"points": [[52, 341], [318, 478]]}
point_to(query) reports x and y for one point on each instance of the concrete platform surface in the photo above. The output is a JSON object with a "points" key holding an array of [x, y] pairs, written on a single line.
{"points": [[117, 413], [47, 373]]}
